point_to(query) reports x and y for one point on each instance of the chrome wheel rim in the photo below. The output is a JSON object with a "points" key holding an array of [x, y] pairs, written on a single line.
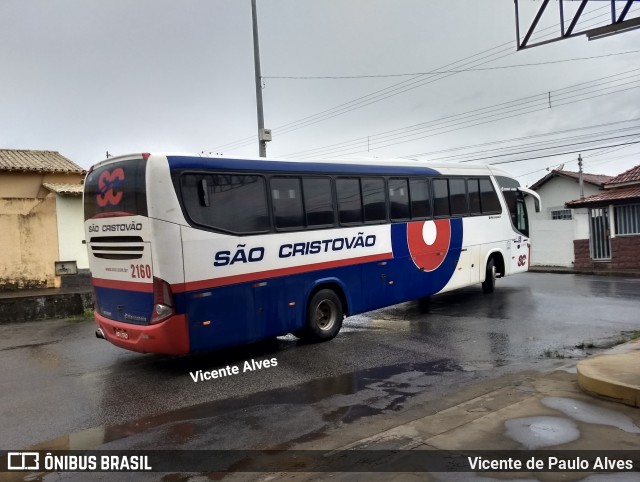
{"points": [[326, 315]]}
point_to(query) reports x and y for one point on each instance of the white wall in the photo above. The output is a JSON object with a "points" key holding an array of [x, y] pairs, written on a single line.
{"points": [[555, 192], [552, 242], [70, 218], [581, 223]]}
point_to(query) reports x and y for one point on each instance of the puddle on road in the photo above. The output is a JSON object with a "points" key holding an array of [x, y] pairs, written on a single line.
{"points": [[590, 413], [540, 432], [340, 399]]}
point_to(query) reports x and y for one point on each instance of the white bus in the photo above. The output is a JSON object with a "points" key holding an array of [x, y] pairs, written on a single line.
{"points": [[191, 254]]}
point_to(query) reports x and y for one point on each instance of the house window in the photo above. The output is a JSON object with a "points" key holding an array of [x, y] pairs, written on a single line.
{"points": [[561, 214], [627, 219]]}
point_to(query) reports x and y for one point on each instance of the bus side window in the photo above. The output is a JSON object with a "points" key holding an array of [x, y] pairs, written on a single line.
{"points": [[489, 198], [286, 197], [398, 199], [473, 188], [458, 197], [318, 201], [349, 200], [375, 206], [420, 198], [441, 198], [204, 193], [237, 203]]}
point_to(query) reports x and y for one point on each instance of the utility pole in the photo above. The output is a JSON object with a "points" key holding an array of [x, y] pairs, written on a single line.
{"points": [[264, 135], [580, 176]]}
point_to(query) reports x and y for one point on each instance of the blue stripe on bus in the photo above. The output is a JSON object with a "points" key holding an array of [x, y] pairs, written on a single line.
{"points": [[184, 162], [399, 243], [248, 312]]}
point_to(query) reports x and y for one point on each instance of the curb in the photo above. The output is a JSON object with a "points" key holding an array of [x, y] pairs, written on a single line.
{"points": [[594, 272], [614, 377]]}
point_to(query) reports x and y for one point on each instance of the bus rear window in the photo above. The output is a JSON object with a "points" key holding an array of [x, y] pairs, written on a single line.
{"points": [[116, 189]]}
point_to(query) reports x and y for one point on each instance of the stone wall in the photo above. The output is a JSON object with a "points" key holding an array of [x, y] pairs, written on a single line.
{"points": [[624, 254], [581, 254]]}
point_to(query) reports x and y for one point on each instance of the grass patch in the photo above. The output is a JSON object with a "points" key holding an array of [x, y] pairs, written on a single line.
{"points": [[554, 354], [635, 335], [87, 314]]}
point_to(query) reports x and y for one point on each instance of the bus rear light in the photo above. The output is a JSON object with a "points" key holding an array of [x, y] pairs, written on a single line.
{"points": [[163, 305], [145, 155]]}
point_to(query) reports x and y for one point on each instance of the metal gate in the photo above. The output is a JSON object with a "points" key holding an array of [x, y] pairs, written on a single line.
{"points": [[599, 240]]}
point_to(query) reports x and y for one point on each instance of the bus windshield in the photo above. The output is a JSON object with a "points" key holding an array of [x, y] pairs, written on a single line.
{"points": [[116, 190], [516, 204]]}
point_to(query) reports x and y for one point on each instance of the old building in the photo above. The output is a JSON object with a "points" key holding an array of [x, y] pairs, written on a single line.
{"points": [[613, 239], [41, 220], [556, 226]]}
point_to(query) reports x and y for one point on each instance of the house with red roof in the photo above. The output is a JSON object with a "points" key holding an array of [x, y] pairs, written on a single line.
{"points": [[556, 226], [613, 240], [41, 219]]}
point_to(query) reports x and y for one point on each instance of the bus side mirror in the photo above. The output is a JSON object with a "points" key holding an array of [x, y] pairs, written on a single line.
{"points": [[537, 203]]}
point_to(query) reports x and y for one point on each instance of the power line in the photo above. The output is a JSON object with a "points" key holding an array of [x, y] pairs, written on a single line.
{"points": [[635, 134], [563, 153], [601, 162], [533, 136], [377, 96], [436, 72], [537, 110], [606, 152], [536, 143], [394, 134], [485, 113]]}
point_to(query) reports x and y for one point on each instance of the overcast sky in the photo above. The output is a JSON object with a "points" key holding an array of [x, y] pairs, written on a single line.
{"points": [[85, 76]]}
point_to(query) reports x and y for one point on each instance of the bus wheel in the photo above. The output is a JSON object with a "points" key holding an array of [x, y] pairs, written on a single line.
{"points": [[489, 283], [324, 317]]}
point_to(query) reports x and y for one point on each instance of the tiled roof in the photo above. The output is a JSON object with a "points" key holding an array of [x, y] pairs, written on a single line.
{"points": [[36, 161], [609, 196], [68, 189], [632, 175], [596, 179]]}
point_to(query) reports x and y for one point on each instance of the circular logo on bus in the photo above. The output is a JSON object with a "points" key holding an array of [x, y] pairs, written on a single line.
{"points": [[429, 242]]}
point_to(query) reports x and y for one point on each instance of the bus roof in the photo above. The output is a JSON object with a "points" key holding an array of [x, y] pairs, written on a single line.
{"points": [[346, 165]]}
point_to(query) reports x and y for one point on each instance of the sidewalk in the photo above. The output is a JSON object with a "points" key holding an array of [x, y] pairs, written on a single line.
{"points": [[534, 411], [623, 273]]}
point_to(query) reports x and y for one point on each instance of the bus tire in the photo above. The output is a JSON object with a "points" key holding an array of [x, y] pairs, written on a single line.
{"points": [[489, 283], [324, 317]]}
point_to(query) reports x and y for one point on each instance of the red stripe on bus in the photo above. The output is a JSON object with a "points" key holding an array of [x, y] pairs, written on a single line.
{"points": [[274, 273], [123, 285]]}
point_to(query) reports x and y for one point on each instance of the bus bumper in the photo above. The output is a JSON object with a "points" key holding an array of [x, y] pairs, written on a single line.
{"points": [[171, 337]]}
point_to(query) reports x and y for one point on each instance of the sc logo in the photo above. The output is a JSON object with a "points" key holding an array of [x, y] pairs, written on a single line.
{"points": [[107, 181]]}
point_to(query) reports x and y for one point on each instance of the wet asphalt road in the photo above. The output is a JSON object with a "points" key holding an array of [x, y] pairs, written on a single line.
{"points": [[59, 382]]}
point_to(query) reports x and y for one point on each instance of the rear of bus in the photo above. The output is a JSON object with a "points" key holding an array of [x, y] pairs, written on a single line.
{"points": [[135, 259]]}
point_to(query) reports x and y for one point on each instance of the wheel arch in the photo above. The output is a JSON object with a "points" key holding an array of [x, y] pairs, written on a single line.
{"points": [[334, 284], [498, 262]]}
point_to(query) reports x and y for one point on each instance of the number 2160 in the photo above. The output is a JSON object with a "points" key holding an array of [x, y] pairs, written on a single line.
{"points": [[141, 271]]}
